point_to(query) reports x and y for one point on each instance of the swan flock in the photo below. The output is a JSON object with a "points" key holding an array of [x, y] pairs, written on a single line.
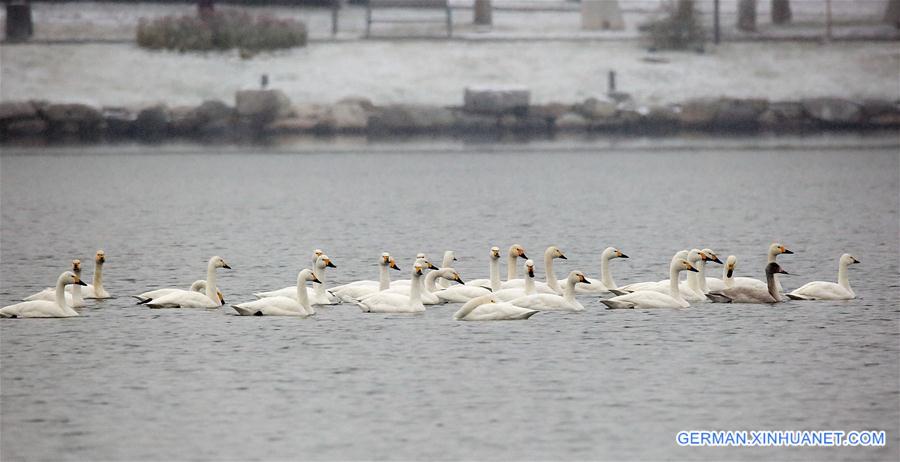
{"points": [[486, 299]]}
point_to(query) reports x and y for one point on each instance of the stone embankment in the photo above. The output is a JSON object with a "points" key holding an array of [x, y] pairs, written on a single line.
{"points": [[265, 113]]}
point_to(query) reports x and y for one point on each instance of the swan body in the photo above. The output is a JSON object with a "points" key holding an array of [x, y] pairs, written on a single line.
{"points": [[317, 294], [752, 294], [775, 250], [428, 289], [355, 290], [822, 290], [727, 280], [427, 265], [553, 302], [45, 308], [515, 252], [644, 299], [461, 293], [198, 286], [493, 282], [282, 306], [506, 295], [689, 289], [96, 289], [73, 296], [449, 258], [386, 302], [189, 299], [598, 286], [486, 308]]}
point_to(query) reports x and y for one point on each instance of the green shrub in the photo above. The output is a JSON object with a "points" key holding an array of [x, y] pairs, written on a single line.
{"points": [[680, 29], [222, 30]]}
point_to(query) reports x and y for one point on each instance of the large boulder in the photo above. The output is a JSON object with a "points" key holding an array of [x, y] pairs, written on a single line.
{"points": [[739, 113], [834, 111], [469, 122], [496, 100], [72, 119], [24, 127], [411, 118], [305, 117], [214, 116], [119, 121], [183, 120], [21, 118], [348, 116], [598, 109], [783, 114], [17, 110], [259, 107], [698, 112], [152, 122], [571, 121]]}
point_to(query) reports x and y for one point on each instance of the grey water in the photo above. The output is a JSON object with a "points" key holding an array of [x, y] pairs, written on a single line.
{"points": [[124, 382]]}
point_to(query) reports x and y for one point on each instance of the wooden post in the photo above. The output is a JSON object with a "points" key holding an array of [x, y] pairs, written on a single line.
{"points": [[483, 13], [747, 15], [892, 13], [827, 20], [781, 11], [335, 5], [19, 26], [716, 28]]}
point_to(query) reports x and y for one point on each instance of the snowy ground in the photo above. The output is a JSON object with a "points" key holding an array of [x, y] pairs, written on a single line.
{"points": [[435, 72]]}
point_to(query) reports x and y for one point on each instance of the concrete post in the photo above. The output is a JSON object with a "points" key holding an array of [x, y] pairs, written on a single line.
{"points": [[19, 27], [483, 13], [747, 15]]}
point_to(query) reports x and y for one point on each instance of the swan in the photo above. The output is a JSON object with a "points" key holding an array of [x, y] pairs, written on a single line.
{"points": [[547, 302], [358, 289], [505, 295], [727, 280], [198, 286], [775, 250], [752, 294], [449, 258], [426, 265], [700, 278], [428, 288], [552, 286], [689, 288], [821, 290], [515, 252], [189, 299], [486, 308], [317, 294], [606, 281], [96, 289], [45, 308], [643, 299], [385, 302], [73, 298], [464, 293], [282, 306]]}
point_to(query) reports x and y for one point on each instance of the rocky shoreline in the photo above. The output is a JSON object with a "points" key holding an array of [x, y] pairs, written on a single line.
{"points": [[260, 114]]}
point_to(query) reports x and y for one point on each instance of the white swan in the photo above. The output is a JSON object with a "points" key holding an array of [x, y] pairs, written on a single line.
{"points": [[73, 298], [428, 287], [605, 282], [317, 294], [44, 308], [553, 302], [689, 288], [468, 291], [505, 295], [96, 289], [752, 294], [821, 290], [515, 252], [486, 308], [643, 299], [552, 286], [355, 290], [700, 279], [198, 286], [449, 258], [282, 306], [425, 265], [385, 302], [727, 280], [775, 250], [189, 299]]}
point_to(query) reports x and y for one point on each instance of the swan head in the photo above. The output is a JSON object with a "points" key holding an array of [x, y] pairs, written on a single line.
{"points": [[517, 251], [324, 262], [420, 255], [68, 278], [612, 252], [712, 256], [778, 249], [773, 268], [695, 255], [76, 266], [417, 269], [318, 253], [449, 255], [451, 274], [554, 252], [307, 275], [495, 253], [578, 276], [730, 263], [529, 268], [683, 265], [100, 257], [847, 259], [218, 262]]}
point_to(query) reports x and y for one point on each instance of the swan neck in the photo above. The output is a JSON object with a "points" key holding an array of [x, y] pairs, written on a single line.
{"points": [[429, 282], [770, 284], [529, 285], [843, 279], [384, 278], [415, 289], [98, 279], [605, 275], [320, 275], [211, 282], [700, 278], [303, 297], [495, 274], [76, 291], [61, 293], [674, 292], [569, 291], [470, 306], [728, 280], [511, 270], [551, 276]]}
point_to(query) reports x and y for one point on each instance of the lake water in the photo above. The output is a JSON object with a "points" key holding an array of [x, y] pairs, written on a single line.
{"points": [[126, 382]]}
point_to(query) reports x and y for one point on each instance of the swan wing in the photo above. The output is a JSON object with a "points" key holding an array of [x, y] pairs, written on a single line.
{"points": [[643, 299], [546, 302], [352, 293], [745, 294], [283, 292], [499, 312], [386, 302], [486, 283], [506, 295], [461, 293], [271, 306], [821, 290], [183, 299], [36, 309]]}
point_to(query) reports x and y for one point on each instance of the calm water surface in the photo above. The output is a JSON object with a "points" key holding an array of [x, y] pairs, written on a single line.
{"points": [[127, 382]]}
